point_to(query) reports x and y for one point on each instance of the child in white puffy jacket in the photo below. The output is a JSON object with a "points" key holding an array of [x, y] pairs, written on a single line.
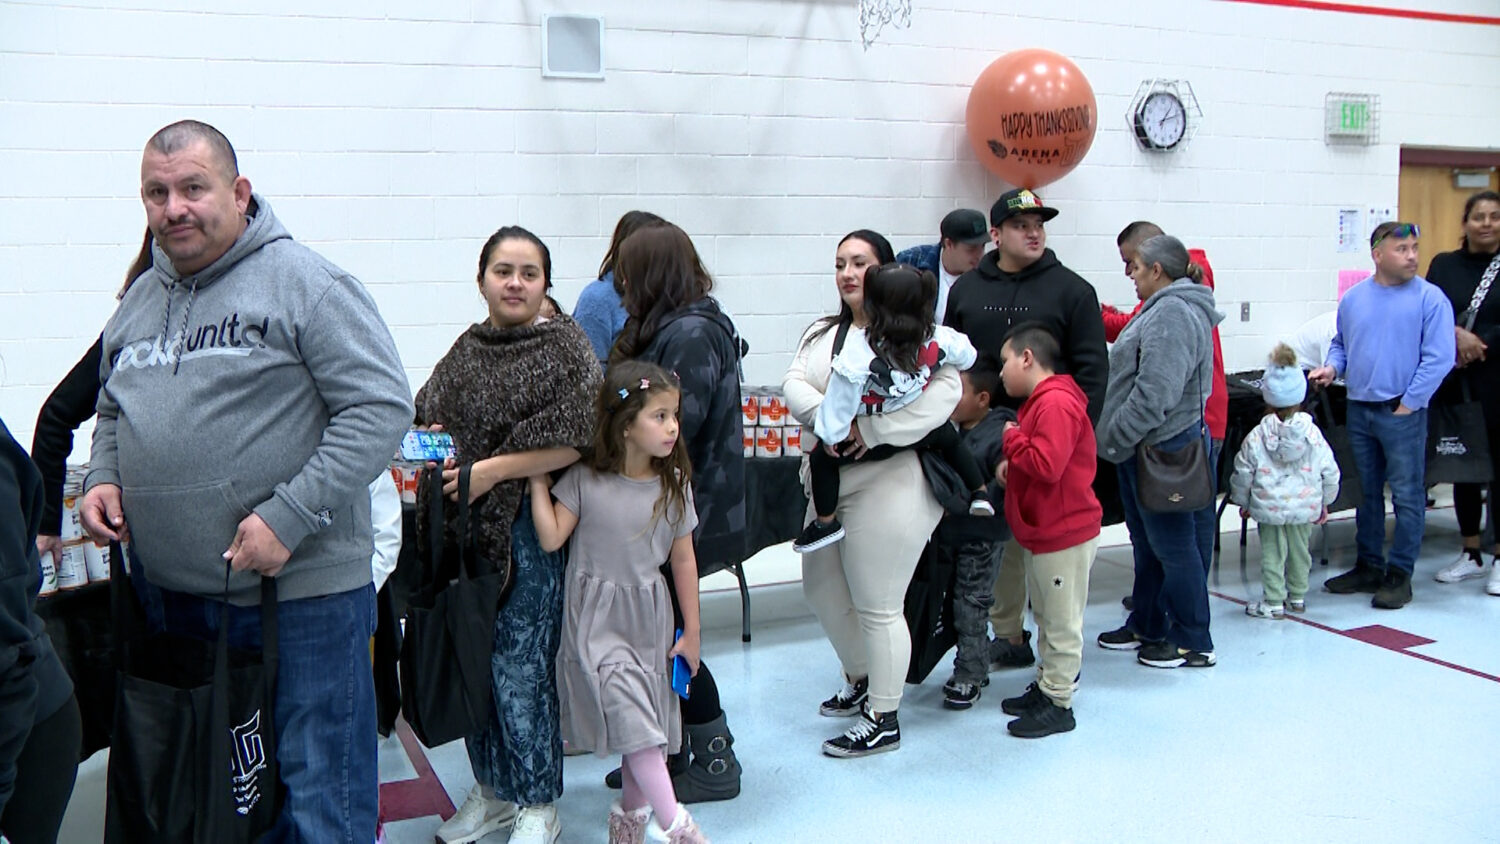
{"points": [[1285, 476]]}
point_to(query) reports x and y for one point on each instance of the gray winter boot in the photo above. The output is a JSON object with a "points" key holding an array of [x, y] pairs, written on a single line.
{"points": [[715, 772]]}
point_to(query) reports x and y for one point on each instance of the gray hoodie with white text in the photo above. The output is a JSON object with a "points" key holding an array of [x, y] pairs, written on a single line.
{"points": [[265, 383]]}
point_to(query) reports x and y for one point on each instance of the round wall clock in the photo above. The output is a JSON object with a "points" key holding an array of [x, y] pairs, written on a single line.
{"points": [[1160, 121]]}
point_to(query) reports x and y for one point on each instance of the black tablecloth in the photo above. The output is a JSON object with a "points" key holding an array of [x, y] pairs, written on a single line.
{"points": [[79, 624], [775, 504], [1247, 407]]}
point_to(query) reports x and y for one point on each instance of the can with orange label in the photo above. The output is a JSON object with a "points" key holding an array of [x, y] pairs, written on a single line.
{"points": [[791, 440], [750, 409], [768, 442], [772, 411], [749, 441]]}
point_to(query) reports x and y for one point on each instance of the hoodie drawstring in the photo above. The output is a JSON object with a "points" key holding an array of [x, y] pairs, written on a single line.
{"points": [[182, 332], [166, 323]]}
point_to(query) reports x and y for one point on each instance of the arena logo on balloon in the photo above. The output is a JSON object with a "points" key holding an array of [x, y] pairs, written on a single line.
{"points": [[1031, 117]]}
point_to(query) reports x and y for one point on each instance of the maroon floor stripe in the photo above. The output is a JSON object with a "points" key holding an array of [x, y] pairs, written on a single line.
{"points": [[1387, 638], [414, 798]]}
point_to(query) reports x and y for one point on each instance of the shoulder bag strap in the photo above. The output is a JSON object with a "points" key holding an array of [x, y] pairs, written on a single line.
{"points": [[839, 337], [125, 608], [467, 529], [433, 478], [1480, 292]]}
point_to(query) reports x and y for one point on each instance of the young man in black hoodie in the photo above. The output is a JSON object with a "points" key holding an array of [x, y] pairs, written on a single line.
{"points": [[1023, 281]]}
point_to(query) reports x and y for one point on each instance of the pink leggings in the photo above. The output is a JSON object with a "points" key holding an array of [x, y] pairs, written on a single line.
{"points": [[644, 778]]}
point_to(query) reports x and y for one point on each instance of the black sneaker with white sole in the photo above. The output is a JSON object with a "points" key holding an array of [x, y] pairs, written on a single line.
{"points": [[980, 505], [958, 695], [818, 535], [1123, 639], [868, 735], [848, 701], [1024, 702], [1168, 655]]}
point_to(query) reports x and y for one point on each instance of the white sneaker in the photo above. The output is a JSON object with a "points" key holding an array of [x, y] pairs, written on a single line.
{"points": [[536, 825], [1493, 587], [478, 817], [1264, 609], [1463, 568]]}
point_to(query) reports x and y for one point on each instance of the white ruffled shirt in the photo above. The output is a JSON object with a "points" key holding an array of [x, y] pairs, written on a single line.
{"points": [[863, 384]]}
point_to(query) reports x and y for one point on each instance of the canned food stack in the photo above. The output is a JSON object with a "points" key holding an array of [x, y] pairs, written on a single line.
{"points": [[405, 475], [82, 560], [770, 430]]}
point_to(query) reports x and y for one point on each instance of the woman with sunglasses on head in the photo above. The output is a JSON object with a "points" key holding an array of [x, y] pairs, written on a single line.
{"points": [[1458, 274]]}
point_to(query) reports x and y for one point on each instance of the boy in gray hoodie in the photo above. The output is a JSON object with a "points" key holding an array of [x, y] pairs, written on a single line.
{"points": [[250, 393]]}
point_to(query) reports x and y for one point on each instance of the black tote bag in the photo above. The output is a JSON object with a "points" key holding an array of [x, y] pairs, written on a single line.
{"points": [[193, 755], [929, 610], [1458, 445], [450, 626]]}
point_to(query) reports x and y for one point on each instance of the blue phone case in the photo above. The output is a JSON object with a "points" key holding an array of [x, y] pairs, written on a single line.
{"points": [[681, 674]]}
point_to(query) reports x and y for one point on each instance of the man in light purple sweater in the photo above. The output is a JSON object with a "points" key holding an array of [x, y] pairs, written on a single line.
{"points": [[1394, 346]]}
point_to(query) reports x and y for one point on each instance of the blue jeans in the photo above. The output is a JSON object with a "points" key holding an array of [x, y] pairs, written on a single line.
{"points": [[1171, 570], [1389, 449], [325, 703], [1207, 521]]}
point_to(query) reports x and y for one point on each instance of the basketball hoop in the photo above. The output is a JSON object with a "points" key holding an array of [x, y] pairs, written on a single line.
{"points": [[874, 15]]}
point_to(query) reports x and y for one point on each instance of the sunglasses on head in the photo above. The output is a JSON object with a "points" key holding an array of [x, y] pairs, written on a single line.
{"points": [[1400, 231]]}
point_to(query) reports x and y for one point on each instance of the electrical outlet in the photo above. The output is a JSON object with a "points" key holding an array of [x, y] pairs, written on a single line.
{"points": [[1244, 312]]}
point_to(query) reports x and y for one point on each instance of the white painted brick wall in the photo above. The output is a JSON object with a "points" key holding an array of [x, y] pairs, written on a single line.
{"points": [[395, 136]]}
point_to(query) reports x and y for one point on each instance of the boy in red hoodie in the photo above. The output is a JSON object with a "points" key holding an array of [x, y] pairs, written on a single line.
{"points": [[1048, 473]]}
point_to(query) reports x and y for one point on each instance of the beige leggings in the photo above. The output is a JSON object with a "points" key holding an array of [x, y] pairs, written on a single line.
{"points": [[857, 587]]}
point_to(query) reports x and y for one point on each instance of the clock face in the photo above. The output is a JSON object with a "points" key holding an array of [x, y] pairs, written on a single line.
{"points": [[1161, 121]]}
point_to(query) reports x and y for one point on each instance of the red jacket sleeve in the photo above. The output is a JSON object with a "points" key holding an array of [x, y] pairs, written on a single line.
{"points": [[1115, 321], [1043, 444], [1216, 409]]}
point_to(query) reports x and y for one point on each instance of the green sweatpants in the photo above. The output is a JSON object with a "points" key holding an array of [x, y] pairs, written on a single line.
{"points": [[1284, 561]]}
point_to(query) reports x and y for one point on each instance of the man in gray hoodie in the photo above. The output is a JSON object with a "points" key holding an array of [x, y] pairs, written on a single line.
{"points": [[250, 392]]}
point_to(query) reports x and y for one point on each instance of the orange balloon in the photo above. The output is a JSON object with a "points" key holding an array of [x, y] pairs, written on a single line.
{"points": [[1031, 117]]}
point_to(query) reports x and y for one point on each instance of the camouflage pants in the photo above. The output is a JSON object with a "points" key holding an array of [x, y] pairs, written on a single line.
{"points": [[973, 595], [519, 754]]}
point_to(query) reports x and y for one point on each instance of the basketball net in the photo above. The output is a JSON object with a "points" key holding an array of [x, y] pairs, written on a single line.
{"points": [[874, 15]]}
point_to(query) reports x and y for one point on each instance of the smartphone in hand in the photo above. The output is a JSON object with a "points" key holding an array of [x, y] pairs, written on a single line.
{"points": [[426, 446], [682, 675]]}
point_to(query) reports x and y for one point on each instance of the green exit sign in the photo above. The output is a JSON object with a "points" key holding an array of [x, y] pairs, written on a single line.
{"points": [[1354, 117], [1351, 118]]}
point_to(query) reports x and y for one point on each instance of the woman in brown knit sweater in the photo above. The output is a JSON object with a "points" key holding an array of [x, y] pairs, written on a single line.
{"points": [[517, 393]]}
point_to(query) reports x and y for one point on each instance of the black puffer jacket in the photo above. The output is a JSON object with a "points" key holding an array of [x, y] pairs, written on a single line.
{"points": [[701, 345]]}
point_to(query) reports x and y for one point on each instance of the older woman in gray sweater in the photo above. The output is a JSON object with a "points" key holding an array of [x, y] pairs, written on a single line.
{"points": [[1160, 374]]}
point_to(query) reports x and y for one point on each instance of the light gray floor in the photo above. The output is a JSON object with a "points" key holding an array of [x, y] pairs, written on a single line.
{"points": [[1300, 733]]}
